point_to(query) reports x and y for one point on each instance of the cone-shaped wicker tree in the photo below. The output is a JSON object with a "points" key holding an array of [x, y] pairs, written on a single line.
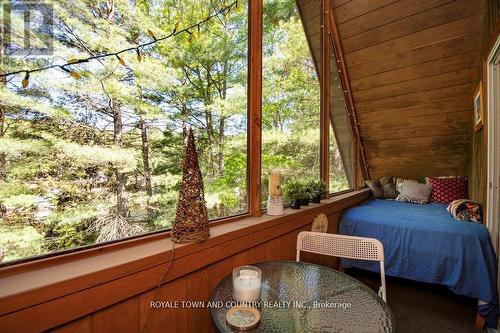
{"points": [[191, 218]]}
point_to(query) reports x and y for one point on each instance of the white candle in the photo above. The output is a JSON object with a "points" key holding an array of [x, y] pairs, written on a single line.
{"points": [[246, 285]]}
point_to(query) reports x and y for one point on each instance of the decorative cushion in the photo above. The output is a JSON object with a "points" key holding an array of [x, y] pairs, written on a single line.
{"points": [[390, 191], [399, 183], [446, 190], [374, 186], [414, 192], [386, 180]]}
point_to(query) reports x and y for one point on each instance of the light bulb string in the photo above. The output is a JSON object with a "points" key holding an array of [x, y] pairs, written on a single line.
{"points": [[137, 48]]}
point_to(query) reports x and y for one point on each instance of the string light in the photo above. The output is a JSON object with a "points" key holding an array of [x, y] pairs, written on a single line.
{"points": [[238, 6], [151, 34], [225, 9], [26, 80], [122, 62], [75, 75], [139, 57]]}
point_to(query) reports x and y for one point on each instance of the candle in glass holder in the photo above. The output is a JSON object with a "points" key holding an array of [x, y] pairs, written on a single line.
{"points": [[246, 284], [274, 184]]}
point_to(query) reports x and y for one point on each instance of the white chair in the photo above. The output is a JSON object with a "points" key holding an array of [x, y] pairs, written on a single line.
{"points": [[345, 247]]}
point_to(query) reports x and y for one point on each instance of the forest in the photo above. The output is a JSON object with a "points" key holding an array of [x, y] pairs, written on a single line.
{"points": [[95, 153]]}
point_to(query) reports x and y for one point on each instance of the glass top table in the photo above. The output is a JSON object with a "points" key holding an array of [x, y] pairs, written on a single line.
{"points": [[303, 297]]}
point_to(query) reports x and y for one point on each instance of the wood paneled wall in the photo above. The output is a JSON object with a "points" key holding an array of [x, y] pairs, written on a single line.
{"points": [[479, 150], [111, 290], [413, 66], [131, 315]]}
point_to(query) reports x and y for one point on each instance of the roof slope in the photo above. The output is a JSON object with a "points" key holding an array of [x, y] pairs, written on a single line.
{"points": [[413, 66]]}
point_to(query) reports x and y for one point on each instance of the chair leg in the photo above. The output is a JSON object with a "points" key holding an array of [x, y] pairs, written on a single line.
{"points": [[479, 321]]}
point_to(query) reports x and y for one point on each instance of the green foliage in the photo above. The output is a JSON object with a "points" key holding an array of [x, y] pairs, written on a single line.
{"points": [[21, 201], [295, 189], [20, 242], [339, 183], [15, 149], [95, 156], [65, 149], [317, 187]]}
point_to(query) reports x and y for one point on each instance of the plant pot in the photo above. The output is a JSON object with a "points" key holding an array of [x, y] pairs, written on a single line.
{"points": [[304, 202], [316, 199], [295, 204]]}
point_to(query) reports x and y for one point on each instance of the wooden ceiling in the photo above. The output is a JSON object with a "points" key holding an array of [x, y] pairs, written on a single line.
{"points": [[413, 66]]}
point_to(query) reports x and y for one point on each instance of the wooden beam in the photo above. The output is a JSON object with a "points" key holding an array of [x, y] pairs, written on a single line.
{"points": [[357, 176], [325, 93], [254, 144], [344, 77]]}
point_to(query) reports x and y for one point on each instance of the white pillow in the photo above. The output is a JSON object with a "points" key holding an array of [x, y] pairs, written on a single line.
{"points": [[414, 192], [399, 182]]}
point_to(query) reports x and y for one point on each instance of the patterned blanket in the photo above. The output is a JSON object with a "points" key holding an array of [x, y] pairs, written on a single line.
{"points": [[466, 210]]}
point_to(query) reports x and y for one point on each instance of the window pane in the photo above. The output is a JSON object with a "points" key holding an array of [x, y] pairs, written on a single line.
{"points": [[338, 179], [342, 155], [95, 152], [291, 104]]}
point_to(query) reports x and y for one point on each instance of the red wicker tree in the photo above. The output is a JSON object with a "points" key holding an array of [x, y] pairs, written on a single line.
{"points": [[191, 218]]}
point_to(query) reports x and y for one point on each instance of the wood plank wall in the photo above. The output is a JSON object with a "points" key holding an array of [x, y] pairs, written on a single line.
{"points": [[479, 150], [413, 66], [131, 315]]}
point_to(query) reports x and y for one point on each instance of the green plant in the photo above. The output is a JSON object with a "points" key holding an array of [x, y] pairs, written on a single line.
{"points": [[293, 190], [306, 190], [317, 187]]}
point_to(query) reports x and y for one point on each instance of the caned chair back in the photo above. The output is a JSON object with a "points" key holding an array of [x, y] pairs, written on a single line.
{"points": [[343, 246]]}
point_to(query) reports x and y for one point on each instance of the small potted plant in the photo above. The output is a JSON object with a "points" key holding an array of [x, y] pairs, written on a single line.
{"points": [[293, 192], [305, 193], [318, 190]]}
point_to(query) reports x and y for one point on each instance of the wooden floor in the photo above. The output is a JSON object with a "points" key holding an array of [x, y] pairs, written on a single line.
{"points": [[424, 308]]}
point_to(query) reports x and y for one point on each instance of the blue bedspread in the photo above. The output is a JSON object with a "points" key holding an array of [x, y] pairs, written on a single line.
{"points": [[425, 243]]}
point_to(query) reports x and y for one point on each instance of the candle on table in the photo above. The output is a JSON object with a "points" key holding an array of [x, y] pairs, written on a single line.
{"points": [[246, 284], [274, 184]]}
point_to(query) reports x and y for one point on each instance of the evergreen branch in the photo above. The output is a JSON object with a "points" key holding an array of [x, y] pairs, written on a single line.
{"points": [[175, 32]]}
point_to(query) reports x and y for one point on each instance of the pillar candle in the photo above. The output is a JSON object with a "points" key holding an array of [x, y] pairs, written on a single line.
{"points": [[246, 286], [274, 184]]}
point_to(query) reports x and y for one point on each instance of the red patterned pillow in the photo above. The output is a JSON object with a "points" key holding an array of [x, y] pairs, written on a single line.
{"points": [[446, 190]]}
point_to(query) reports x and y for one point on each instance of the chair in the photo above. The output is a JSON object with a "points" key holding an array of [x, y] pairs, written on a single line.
{"points": [[345, 247]]}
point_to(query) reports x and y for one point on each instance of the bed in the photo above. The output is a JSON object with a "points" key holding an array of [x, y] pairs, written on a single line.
{"points": [[425, 243]]}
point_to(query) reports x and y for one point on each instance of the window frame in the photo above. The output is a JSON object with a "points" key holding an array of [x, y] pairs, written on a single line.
{"points": [[254, 135]]}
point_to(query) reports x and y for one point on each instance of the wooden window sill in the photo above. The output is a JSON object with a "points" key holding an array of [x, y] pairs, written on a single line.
{"points": [[137, 265]]}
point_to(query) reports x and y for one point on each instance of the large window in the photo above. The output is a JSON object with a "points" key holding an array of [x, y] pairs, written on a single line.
{"points": [[338, 178], [342, 154], [94, 152], [291, 98]]}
